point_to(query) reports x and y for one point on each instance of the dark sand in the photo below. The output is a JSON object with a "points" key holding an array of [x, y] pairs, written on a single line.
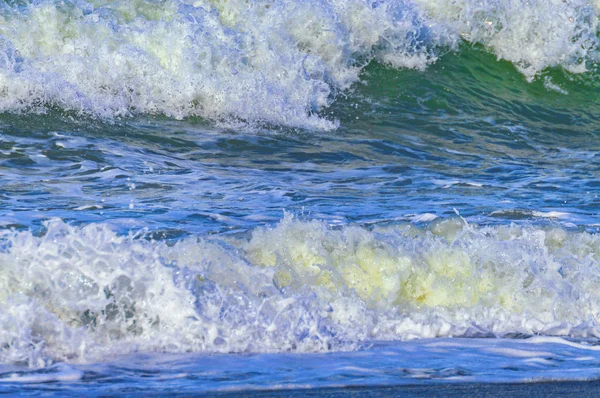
{"points": [[530, 390]]}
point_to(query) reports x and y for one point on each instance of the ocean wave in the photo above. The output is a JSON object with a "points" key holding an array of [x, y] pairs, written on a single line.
{"points": [[85, 293], [533, 35], [274, 62], [278, 62]]}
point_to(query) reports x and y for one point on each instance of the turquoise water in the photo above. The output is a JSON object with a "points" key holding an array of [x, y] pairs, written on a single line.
{"points": [[239, 195]]}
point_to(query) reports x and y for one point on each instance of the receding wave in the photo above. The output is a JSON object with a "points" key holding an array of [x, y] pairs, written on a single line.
{"points": [[84, 293], [277, 62]]}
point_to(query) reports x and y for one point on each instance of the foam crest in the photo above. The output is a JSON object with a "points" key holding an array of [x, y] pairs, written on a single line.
{"points": [[78, 294], [85, 293], [276, 62], [447, 279], [533, 35]]}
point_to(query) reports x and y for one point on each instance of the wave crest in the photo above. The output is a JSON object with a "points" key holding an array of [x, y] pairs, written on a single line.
{"points": [[278, 62]]}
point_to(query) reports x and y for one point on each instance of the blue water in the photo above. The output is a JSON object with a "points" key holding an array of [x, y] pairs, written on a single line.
{"points": [[232, 196], [414, 363]]}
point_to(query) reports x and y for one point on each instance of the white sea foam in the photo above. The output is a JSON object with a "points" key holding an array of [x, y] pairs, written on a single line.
{"points": [[533, 35], [276, 62], [272, 62], [518, 353], [84, 293], [60, 372]]}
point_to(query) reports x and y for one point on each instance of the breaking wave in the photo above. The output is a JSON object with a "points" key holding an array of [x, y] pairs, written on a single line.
{"points": [[277, 62], [84, 293]]}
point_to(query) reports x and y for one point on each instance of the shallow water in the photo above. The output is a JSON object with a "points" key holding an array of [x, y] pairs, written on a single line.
{"points": [[438, 366], [297, 194]]}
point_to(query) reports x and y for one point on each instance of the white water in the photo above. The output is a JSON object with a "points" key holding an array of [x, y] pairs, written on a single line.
{"points": [[533, 35], [276, 62], [81, 294]]}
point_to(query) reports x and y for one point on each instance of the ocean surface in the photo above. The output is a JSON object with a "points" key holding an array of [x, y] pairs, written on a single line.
{"points": [[220, 196]]}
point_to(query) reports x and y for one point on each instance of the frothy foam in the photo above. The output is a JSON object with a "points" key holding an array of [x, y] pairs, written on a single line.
{"points": [[84, 293], [276, 62], [533, 35], [271, 62]]}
